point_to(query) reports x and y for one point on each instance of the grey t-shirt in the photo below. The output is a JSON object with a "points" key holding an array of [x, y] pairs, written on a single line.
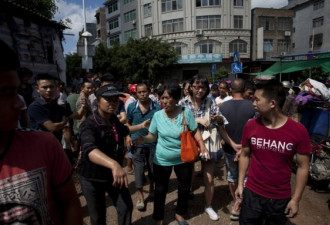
{"points": [[237, 112]]}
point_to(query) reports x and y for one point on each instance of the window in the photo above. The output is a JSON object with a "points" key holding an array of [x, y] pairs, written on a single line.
{"points": [[316, 42], [268, 45], [200, 3], [127, 1], [284, 23], [283, 45], [238, 2], [114, 23], [318, 22], [148, 30], [113, 40], [238, 46], [171, 5], [170, 26], [112, 7], [180, 48], [208, 22], [268, 23], [130, 34], [147, 10], [207, 47], [238, 22], [129, 16], [318, 4]]}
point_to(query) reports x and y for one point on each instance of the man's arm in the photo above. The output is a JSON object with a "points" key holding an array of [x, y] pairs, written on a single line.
{"points": [[227, 139], [243, 164], [78, 114], [70, 207], [53, 127], [301, 180]]}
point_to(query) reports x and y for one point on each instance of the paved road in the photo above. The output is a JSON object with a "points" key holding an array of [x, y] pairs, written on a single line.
{"points": [[314, 207]]}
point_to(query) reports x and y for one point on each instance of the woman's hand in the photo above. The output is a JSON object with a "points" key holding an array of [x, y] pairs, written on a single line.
{"points": [[119, 177], [204, 153], [204, 122]]}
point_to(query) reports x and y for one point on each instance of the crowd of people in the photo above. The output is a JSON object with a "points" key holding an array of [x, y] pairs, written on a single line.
{"points": [[95, 129]]}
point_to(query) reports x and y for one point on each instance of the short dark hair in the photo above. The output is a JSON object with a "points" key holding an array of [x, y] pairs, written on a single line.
{"points": [[272, 90], [173, 90], [214, 87], [23, 71], [8, 58], [44, 76], [200, 79], [248, 84], [107, 77], [143, 84]]}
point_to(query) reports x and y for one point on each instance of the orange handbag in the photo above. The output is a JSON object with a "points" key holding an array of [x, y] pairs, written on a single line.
{"points": [[189, 148]]}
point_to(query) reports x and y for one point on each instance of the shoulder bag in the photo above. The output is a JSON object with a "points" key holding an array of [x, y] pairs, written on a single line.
{"points": [[211, 137], [189, 148]]}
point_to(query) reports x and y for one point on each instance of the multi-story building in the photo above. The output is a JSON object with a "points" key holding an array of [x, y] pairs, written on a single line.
{"points": [[204, 32], [271, 35], [311, 27], [101, 26]]}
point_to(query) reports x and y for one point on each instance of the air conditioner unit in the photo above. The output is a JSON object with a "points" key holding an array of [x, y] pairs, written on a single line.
{"points": [[133, 22], [199, 32], [287, 33]]}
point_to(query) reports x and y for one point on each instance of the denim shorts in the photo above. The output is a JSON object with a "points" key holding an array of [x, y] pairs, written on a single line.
{"points": [[143, 156], [232, 168]]}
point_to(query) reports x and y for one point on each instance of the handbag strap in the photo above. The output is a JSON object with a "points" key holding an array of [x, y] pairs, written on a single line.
{"points": [[184, 123], [208, 109]]}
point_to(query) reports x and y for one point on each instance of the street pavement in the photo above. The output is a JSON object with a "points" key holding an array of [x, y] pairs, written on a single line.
{"points": [[314, 206]]}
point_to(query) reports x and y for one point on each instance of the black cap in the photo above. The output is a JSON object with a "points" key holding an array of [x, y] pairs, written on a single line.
{"points": [[109, 91]]}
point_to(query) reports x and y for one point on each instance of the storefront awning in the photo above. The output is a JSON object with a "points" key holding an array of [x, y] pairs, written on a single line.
{"points": [[292, 66]]}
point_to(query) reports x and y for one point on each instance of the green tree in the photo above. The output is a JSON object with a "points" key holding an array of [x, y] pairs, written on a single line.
{"points": [[316, 73], [142, 59], [102, 59], [73, 66], [220, 74], [46, 8]]}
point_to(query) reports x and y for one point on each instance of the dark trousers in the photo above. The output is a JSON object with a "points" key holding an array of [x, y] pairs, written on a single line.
{"points": [[162, 175], [94, 193], [142, 156], [258, 210]]}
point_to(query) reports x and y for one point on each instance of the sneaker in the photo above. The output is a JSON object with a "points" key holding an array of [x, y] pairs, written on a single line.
{"points": [[234, 217], [213, 215], [140, 204]]}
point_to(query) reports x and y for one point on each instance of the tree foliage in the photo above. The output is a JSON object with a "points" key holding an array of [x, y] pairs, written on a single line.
{"points": [[47, 8], [316, 73], [136, 60], [73, 66]]}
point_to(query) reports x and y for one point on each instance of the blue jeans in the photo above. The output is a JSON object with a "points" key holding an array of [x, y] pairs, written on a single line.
{"points": [[142, 156], [232, 168], [94, 192]]}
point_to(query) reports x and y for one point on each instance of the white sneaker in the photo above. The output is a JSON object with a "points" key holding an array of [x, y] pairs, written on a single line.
{"points": [[213, 215]]}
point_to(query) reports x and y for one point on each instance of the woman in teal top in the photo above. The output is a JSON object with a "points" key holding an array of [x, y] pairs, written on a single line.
{"points": [[166, 126]]}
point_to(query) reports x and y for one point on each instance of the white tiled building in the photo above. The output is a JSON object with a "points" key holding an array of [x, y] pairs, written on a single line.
{"points": [[204, 32]]}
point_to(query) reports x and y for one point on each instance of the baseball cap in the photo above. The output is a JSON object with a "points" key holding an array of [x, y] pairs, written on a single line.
{"points": [[132, 88], [108, 91]]}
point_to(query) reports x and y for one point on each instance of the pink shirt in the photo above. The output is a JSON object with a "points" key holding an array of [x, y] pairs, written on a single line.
{"points": [[272, 152]]}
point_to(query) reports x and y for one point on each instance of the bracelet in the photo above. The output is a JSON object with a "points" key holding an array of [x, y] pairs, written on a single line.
{"points": [[200, 140]]}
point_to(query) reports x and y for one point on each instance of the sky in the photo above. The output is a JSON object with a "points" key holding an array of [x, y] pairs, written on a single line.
{"points": [[73, 9]]}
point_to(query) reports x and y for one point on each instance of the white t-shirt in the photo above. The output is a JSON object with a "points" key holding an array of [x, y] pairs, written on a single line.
{"points": [[219, 100]]}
